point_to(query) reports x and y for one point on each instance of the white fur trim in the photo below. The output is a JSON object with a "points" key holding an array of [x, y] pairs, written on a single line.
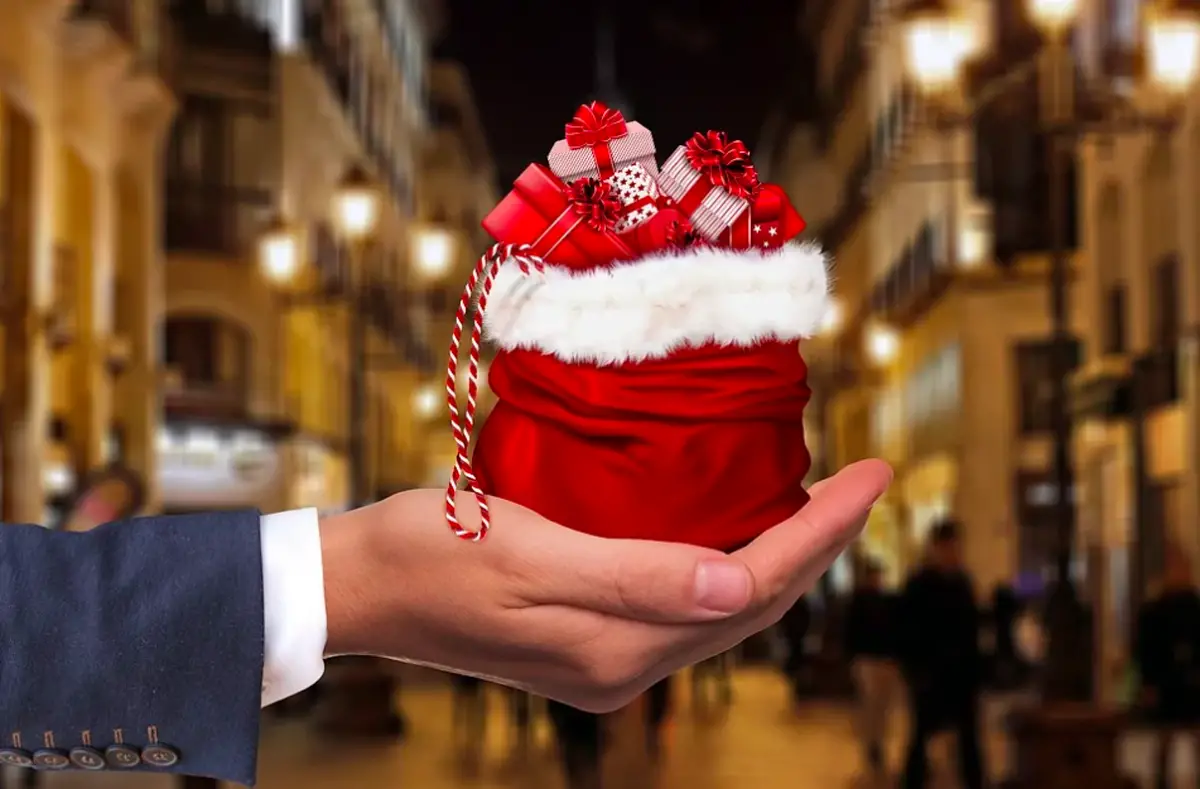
{"points": [[646, 308]]}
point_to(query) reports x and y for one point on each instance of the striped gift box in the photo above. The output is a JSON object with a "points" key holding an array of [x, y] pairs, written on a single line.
{"points": [[716, 212], [636, 147]]}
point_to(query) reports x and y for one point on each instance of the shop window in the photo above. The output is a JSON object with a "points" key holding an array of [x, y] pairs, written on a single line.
{"points": [[1036, 369]]}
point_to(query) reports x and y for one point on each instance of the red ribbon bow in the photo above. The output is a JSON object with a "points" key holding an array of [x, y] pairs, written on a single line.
{"points": [[594, 201], [724, 162], [682, 235], [595, 124]]}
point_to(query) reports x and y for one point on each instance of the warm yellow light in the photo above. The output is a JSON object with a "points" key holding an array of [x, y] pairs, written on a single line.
{"points": [[974, 244], [435, 252], [356, 205], [428, 401], [935, 49], [831, 322], [277, 255], [882, 343], [1054, 16], [1173, 49]]}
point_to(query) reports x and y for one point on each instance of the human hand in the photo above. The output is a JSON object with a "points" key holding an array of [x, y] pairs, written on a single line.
{"points": [[588, 621]]}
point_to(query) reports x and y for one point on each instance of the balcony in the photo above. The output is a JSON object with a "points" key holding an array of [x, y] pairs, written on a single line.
{"points": [[189, 401], [214, 219]]}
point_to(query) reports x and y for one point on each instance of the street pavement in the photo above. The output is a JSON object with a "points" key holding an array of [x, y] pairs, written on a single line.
{"points": [[760, 742]]}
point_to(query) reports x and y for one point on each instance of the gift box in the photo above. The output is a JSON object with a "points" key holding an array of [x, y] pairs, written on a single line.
{"points": [[568, 225], [599, 142], [638, 192], [712, 180], [770, 223]]}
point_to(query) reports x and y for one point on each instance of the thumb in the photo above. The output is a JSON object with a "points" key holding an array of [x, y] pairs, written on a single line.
{"points": [[645, 581]]}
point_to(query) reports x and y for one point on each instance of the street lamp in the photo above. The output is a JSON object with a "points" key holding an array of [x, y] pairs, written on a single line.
{"points": [[1054, 17], [434, 252], [362, 690], [1173, 44], [356, 204], [882, 343], [428, 401], [277, 254], [936, 43]]}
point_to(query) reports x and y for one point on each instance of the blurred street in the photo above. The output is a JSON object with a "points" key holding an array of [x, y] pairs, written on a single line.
{"points": [[760, 743]]}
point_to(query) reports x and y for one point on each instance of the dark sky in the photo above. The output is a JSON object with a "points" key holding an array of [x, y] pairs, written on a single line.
{"points": [[683, 66]]}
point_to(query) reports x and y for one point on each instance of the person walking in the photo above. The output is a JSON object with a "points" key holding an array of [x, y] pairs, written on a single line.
{"points": [[1167, 651], [940, 656], [794, 627], [871, 648]]}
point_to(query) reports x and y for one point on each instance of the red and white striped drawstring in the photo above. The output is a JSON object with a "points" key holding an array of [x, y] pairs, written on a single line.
{"points": [[485, 270]]}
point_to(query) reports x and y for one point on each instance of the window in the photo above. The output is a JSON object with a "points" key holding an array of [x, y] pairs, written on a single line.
{"points": [[1036, 371], [1166, 311], [223, 142], [208, 352]]}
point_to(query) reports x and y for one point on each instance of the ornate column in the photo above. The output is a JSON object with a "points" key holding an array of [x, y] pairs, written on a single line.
{"points": [[138, 187]]}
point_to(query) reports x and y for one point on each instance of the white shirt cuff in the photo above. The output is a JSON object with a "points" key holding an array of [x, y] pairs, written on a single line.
{"points": [[295, 627]]}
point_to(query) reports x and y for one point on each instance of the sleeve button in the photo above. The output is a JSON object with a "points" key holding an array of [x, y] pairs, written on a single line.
{"points": [[122, 757], [51, 759], [15, 757], [87, 758], [159, 755]]}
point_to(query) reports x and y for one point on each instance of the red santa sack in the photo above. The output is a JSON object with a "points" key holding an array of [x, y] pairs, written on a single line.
{"points": [[660, 397]]}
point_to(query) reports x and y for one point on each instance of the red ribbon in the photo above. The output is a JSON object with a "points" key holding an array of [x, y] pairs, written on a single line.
{"points": [[594, 126], [590, 201], [721, 162], [682, 235]]}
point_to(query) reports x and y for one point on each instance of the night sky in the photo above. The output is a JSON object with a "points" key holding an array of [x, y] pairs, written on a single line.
{"points": [[682, 65]]}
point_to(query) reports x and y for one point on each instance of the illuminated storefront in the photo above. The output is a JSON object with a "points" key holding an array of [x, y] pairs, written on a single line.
{"points": [[201, 467]]}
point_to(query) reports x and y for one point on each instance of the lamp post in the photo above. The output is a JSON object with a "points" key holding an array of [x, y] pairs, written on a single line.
{"points": [[356, 213], [1173, 41]]}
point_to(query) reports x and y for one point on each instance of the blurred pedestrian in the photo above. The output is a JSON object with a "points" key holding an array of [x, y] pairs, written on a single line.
{"points": [[1007, 668], [1168, 656], [939, 651], [658, 709], [580, 737], [470, 715], [794, 627], [871, 646]]}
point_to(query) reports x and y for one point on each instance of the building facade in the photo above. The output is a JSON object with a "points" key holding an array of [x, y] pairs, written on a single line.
{"points": [[84, 112], [1138, 424], [148, 151], [277, 102], [941, 359]]}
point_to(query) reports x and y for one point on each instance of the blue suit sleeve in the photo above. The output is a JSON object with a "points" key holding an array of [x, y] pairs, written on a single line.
{"points": [[135, 646]]}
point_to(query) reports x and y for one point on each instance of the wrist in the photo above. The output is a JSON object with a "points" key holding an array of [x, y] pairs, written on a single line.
{"points": [[342, 557]]}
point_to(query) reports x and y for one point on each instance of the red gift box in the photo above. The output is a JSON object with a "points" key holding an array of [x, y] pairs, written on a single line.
{"points": [[712, 179], [599, 142], [568, 226], [770, 223]]}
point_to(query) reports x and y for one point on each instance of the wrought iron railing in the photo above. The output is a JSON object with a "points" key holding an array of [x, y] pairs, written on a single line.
{"points": [[215, 218]]}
